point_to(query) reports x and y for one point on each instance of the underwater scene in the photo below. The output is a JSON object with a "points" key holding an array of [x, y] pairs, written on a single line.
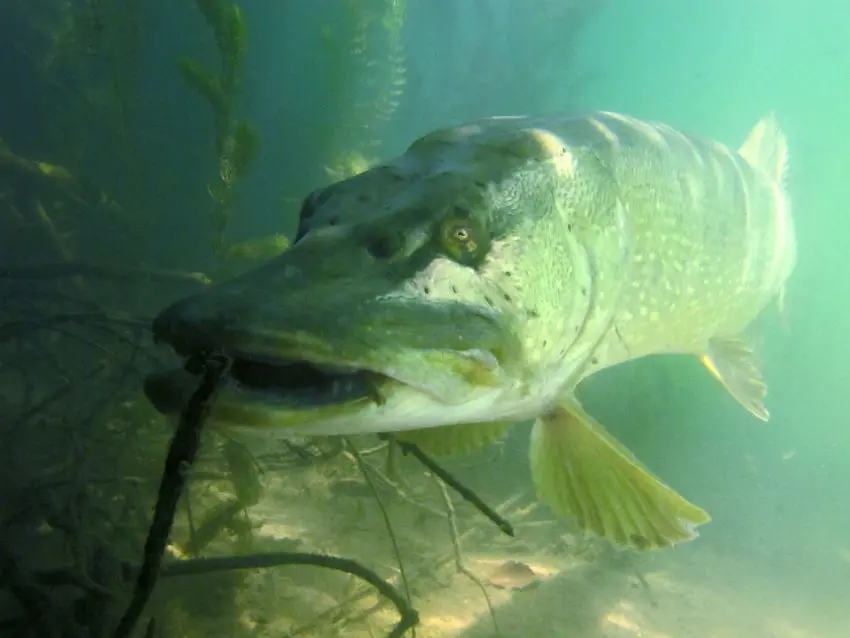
{"points": [[424, 318]]}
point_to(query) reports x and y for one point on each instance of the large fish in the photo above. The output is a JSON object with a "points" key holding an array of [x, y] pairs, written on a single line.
{"points": [[477, 279]]}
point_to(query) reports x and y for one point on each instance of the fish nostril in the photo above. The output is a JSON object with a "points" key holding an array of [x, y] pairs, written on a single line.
{"points": [[385, 245], [185, 326]]}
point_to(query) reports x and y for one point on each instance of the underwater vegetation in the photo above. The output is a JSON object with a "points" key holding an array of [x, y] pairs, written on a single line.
{"points": [[237, 143], [116, 522], [82, 60], [363, 75]]}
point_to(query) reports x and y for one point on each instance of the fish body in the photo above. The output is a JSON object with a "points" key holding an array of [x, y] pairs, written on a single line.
{"points": [[478, 278]]}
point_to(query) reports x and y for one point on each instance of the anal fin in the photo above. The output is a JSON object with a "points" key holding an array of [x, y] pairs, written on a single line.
{"points": [[732, 361], [581, 470], [454, 439]]}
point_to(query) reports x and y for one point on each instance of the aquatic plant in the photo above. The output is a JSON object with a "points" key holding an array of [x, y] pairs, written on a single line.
{"points": [[237, 142], [45, 198], [87, 453], [363, 70], [84, 57]]}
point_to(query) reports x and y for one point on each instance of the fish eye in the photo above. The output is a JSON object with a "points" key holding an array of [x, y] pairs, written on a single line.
{"points": [[462, 235], [464, 239]]}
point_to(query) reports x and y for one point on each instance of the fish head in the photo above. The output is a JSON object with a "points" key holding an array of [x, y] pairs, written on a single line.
{"points": [[405, 301]]}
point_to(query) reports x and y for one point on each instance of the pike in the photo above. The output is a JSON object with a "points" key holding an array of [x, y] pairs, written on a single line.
{"points": [[475, 280]]}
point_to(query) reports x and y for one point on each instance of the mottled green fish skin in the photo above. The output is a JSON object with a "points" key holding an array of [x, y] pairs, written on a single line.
{"points": [[477, 279], [626, 238], [708, 237], [610, 238]]}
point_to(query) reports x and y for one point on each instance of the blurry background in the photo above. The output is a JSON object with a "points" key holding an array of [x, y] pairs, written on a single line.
{"points": [[142, 141]]}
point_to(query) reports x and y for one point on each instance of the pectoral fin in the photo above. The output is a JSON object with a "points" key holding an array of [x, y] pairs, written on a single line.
{"points": [[581, 470], [454, 439], [732, 361]]}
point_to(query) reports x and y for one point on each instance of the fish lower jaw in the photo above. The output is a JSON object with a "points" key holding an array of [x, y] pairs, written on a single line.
{"points": [[307, 383], [280, 396], [418, 411], [281, 386]]}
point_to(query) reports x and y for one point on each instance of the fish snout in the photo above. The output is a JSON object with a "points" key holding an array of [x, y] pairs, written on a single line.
{"points": [[194, 324]]}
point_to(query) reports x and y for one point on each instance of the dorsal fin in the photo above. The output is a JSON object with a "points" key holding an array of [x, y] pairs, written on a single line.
{"points": [[766, 148]]}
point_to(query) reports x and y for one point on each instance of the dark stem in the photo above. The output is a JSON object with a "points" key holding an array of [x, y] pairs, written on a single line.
{"points": [[467, 494], [181, 455], [408, 616]]}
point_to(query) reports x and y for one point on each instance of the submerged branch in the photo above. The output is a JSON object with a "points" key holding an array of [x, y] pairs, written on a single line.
{"points": [[458, 555], [178, 463], [467, 494], [396, 551], [408, 616]]}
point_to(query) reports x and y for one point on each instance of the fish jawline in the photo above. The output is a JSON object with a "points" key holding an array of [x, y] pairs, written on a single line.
{"points": [[304, 384]]}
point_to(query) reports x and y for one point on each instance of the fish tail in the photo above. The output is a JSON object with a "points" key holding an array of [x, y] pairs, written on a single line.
{"points": [[766, 150]]}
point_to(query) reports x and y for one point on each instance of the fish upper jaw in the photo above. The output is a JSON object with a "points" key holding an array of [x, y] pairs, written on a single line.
{"points": [[358, 356]]}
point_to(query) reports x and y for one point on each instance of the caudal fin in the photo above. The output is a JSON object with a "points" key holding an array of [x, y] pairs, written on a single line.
{"points": [[766, 148]]}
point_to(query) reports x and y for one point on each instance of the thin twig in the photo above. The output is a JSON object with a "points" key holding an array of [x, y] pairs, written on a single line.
{"points": [[191, 521], [403, 495], [450, 515], [362, 465], [468, 495], [374, 450], [432, 563], [35, 602], [178, 463]]}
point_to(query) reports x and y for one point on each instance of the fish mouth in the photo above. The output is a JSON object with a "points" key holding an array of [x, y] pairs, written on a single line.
{"points": [[293, 385], [299, 364], [305, 383]]}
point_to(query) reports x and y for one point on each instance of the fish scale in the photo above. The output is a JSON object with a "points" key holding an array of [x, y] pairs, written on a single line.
{"points": [[676, 282]]}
